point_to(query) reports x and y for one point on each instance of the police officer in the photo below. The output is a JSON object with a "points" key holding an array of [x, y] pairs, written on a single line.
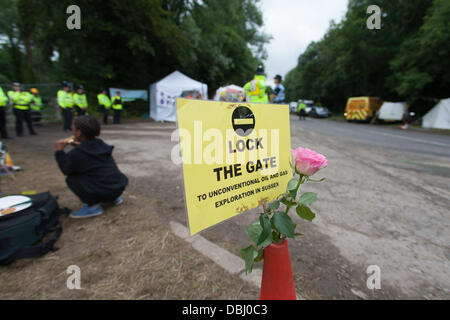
{"points": [[301, 111], [36, 106], [21, 101], [3, 105], [255, 90], [278, 95], [104, 104], [117, 105], [80, 101], [65, 102]]}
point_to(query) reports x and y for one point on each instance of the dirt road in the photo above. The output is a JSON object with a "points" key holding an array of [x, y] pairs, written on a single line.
{"points": [[378, 206]]}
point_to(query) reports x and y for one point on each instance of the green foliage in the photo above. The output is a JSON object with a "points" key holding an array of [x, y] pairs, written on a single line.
{"points": [[266, 229], [273, 225], [405, 60], [307, 199], [421, 67], [130, 44], [283, 224], [305, 213], [255, 231], [249, 255]]}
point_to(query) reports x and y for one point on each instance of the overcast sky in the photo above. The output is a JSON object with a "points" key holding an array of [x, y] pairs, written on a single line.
{"points": [[293, 24]]}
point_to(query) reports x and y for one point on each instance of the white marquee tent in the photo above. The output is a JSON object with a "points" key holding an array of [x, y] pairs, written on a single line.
{"points": [[439, 116], [164, 94]]}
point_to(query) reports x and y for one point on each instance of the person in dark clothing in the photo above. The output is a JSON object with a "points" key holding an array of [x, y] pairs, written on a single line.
{"points": [[91, 171]]}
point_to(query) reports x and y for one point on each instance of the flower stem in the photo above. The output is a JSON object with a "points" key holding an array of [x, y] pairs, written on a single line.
{"points": [[300, 181]]}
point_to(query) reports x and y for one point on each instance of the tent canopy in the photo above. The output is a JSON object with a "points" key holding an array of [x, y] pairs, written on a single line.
{"points": [[229, 93], [163, 95], [439, 116], [392, 111]]}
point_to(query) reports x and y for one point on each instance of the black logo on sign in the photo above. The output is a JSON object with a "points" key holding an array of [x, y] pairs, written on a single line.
{"points": [[243, 121]]}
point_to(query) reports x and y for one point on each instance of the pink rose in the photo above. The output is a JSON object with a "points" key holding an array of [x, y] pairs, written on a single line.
{"points": [[308, 162]]}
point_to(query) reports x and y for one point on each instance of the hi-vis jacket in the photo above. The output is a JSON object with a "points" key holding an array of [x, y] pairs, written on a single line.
{"points": [[104, 101], [65, 99], [256, 90], [36, 104], [3, 98], [80, 100], [117, 103], [21, 100]]}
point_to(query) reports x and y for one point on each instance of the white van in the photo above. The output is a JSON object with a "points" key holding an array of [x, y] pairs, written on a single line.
{"points": [[392, 111]]}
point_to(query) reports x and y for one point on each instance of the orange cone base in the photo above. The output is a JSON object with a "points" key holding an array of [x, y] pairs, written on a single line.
{"points": [[277, 279]]}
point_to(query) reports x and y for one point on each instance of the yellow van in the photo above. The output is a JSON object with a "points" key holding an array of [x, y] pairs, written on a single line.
{"points": [[362, 108]]}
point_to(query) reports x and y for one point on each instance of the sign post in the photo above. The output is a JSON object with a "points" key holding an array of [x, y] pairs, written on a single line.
{"points": [[235, 157]]}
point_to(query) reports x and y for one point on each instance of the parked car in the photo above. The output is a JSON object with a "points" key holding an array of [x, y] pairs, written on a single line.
{"points": [[320, 112]]}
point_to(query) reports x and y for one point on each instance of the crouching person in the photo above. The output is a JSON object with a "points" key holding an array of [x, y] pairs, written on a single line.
{"points": [[91, 171]]}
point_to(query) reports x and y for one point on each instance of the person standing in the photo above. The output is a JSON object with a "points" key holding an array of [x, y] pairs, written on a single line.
{"points": [[80, 101], [105, 105], [21, 101], [255, 90], [278, 95], [301, 110], [65, 103], [3, 105], [117, 105], [36, 106]]}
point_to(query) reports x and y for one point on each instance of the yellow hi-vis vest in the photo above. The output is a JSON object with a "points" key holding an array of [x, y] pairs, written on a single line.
{"points": [[80, 100], [21, 100], [36, 104], [256, 89], [301, 106], [65, 99], [117, 103], [3, 98], [104, 101]]}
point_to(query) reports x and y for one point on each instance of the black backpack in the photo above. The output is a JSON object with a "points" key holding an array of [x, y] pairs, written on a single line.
{"points": [[21, 233]]}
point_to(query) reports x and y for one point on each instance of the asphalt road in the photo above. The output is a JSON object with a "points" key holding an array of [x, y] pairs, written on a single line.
{"points": [[384, 202], [413, 142]]}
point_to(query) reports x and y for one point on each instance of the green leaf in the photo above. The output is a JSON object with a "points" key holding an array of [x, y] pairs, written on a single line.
{"points": [[293, 194], [292, 185], [284, 224], [266, 229], [254, 232], [249, 255], [274, 205], [287, 202], [305, 213], [307, 199], [260, 256]]}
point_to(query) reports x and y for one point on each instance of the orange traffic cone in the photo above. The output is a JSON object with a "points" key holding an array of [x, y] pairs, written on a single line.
{"points": [[277, 279]]}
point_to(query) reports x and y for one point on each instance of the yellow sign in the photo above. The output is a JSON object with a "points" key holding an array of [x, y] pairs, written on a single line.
{"points": [[235, 156]]}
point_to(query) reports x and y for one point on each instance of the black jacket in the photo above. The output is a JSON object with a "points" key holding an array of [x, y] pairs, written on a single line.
{"points": [[92, 166]]}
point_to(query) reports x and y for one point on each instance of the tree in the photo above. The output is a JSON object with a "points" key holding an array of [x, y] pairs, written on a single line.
{"points": [[9, 28], [131, 43], [422, 65], [352, 60]]}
